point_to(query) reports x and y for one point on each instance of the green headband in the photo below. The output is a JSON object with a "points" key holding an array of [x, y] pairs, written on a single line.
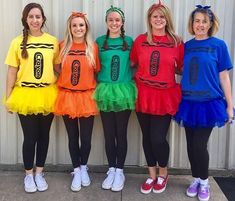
{"points": [[115, 9]]}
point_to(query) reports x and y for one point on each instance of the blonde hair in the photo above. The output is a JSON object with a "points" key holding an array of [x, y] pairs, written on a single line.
{"points": [[68, 40], [213, 20], [170, 30]]}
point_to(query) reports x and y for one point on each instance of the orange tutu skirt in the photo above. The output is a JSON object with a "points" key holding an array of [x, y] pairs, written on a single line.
{"points": [[156, 101], [75, 103]]}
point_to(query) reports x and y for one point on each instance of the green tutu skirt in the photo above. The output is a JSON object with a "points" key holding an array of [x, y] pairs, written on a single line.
{"points": [[116, 97]]}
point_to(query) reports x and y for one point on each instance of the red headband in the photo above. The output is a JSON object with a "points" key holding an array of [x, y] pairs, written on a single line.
{"points": [[78, 14], [155, 6]]}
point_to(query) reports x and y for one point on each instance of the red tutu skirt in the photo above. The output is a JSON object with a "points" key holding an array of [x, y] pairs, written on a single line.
{"points": [[157, 101]]}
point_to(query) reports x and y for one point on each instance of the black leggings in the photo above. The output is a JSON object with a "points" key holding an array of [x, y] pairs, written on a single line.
{"points": [[36, 129], [198, 155], [79, 155], [154, 129], [115, 134]]}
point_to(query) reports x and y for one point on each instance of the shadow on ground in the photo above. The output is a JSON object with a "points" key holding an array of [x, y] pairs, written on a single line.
{"points": [[227, 185]]}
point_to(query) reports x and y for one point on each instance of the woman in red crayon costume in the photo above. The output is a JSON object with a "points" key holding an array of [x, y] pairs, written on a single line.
{"points": [[158, 54]]}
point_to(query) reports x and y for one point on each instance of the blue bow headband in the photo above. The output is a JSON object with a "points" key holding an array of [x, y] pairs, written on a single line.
{"points": [[205, 9]]}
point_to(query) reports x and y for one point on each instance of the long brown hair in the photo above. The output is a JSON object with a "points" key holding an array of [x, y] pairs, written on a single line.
{"points": [[122, 34], [25, 13]]}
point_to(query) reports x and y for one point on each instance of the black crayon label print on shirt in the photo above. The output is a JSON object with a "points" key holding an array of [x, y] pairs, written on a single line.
{"points": [[38, 65], [115, 67], [75, 72], [193, 70], [154, 63]]}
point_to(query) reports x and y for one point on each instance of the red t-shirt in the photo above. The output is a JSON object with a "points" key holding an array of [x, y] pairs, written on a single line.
{"points": [[157, 63]]}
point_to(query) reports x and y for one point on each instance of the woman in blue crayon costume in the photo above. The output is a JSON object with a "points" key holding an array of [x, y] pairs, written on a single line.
{"points": [[115, 95], [207, 98]]}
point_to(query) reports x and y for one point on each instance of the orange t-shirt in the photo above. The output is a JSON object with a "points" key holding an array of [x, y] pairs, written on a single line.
{"points": [[76, 72]]}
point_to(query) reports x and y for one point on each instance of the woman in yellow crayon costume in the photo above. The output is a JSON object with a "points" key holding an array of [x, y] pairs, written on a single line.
{"points": [[31, 90]]}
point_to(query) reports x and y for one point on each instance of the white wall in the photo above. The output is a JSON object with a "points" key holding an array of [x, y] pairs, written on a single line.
{"points": [[222, 142]]}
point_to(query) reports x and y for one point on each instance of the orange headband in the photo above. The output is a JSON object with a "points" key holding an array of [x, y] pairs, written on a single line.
{"points": [[78, 14]]}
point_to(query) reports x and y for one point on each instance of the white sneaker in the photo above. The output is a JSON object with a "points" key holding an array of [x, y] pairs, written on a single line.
{"points": [[29, 184], [41, 182], [119, 180], [76, 183], [108, 182], [85, 176]]}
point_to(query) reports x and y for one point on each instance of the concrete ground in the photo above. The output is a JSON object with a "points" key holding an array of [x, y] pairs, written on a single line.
{"points": [[11, 189]]}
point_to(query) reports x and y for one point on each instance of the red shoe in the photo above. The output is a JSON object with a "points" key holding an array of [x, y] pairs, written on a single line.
{"points": [[147, 186], [160, 185]]}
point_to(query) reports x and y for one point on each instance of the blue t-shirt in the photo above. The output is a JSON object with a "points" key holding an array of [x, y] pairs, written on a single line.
{"points": [[203, 61]]}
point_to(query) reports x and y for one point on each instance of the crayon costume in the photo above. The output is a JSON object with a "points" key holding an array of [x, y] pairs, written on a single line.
{"points": [[77, 83], [116, 91], [158, 92], [203, 102], [35, 90]]}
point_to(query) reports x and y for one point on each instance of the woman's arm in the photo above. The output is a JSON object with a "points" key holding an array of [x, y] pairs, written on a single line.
{"points": [[179, 71], [11, 79], [57, 69], [226, 86]]}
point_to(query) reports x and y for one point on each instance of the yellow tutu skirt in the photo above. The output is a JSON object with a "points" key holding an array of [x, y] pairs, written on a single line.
{"points": [[26, 100], [75, 104]]}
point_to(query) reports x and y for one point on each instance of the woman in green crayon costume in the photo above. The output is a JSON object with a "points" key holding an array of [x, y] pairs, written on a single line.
{"points": [[115, 94]]}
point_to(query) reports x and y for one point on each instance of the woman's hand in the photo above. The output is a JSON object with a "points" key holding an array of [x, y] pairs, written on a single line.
{"points": [[230, 115]]}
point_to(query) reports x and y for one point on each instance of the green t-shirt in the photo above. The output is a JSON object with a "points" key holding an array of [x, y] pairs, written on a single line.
{"points": [[115, 63]]}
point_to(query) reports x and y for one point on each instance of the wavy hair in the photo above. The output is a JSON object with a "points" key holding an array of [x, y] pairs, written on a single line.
{"points": [[68, 40], [170, 30], [212, 17]]}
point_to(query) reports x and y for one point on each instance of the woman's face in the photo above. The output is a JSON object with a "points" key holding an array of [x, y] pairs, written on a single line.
{"points": [[158, 21], [201, 25], [34, 20], [114, 22], [78, 28]]}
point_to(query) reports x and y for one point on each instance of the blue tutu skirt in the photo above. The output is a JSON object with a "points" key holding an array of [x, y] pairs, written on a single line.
{"points": [[206, 114]]}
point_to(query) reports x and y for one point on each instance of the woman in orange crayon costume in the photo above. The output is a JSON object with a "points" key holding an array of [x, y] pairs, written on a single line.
{"points": [[31, 91], [80, 62], [158, 54]]}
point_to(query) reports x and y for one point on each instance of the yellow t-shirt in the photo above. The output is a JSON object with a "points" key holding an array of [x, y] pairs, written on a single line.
{"points": [[37, 70]]}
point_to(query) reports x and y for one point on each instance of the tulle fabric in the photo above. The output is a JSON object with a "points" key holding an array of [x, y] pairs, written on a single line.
{"points": [[202, 114], [75, 104], [27, 100], [157, 101], [116, 97]]}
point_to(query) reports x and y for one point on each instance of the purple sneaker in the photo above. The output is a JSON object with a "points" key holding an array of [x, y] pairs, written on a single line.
{"points": [[192, 190], [203, 193]]}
